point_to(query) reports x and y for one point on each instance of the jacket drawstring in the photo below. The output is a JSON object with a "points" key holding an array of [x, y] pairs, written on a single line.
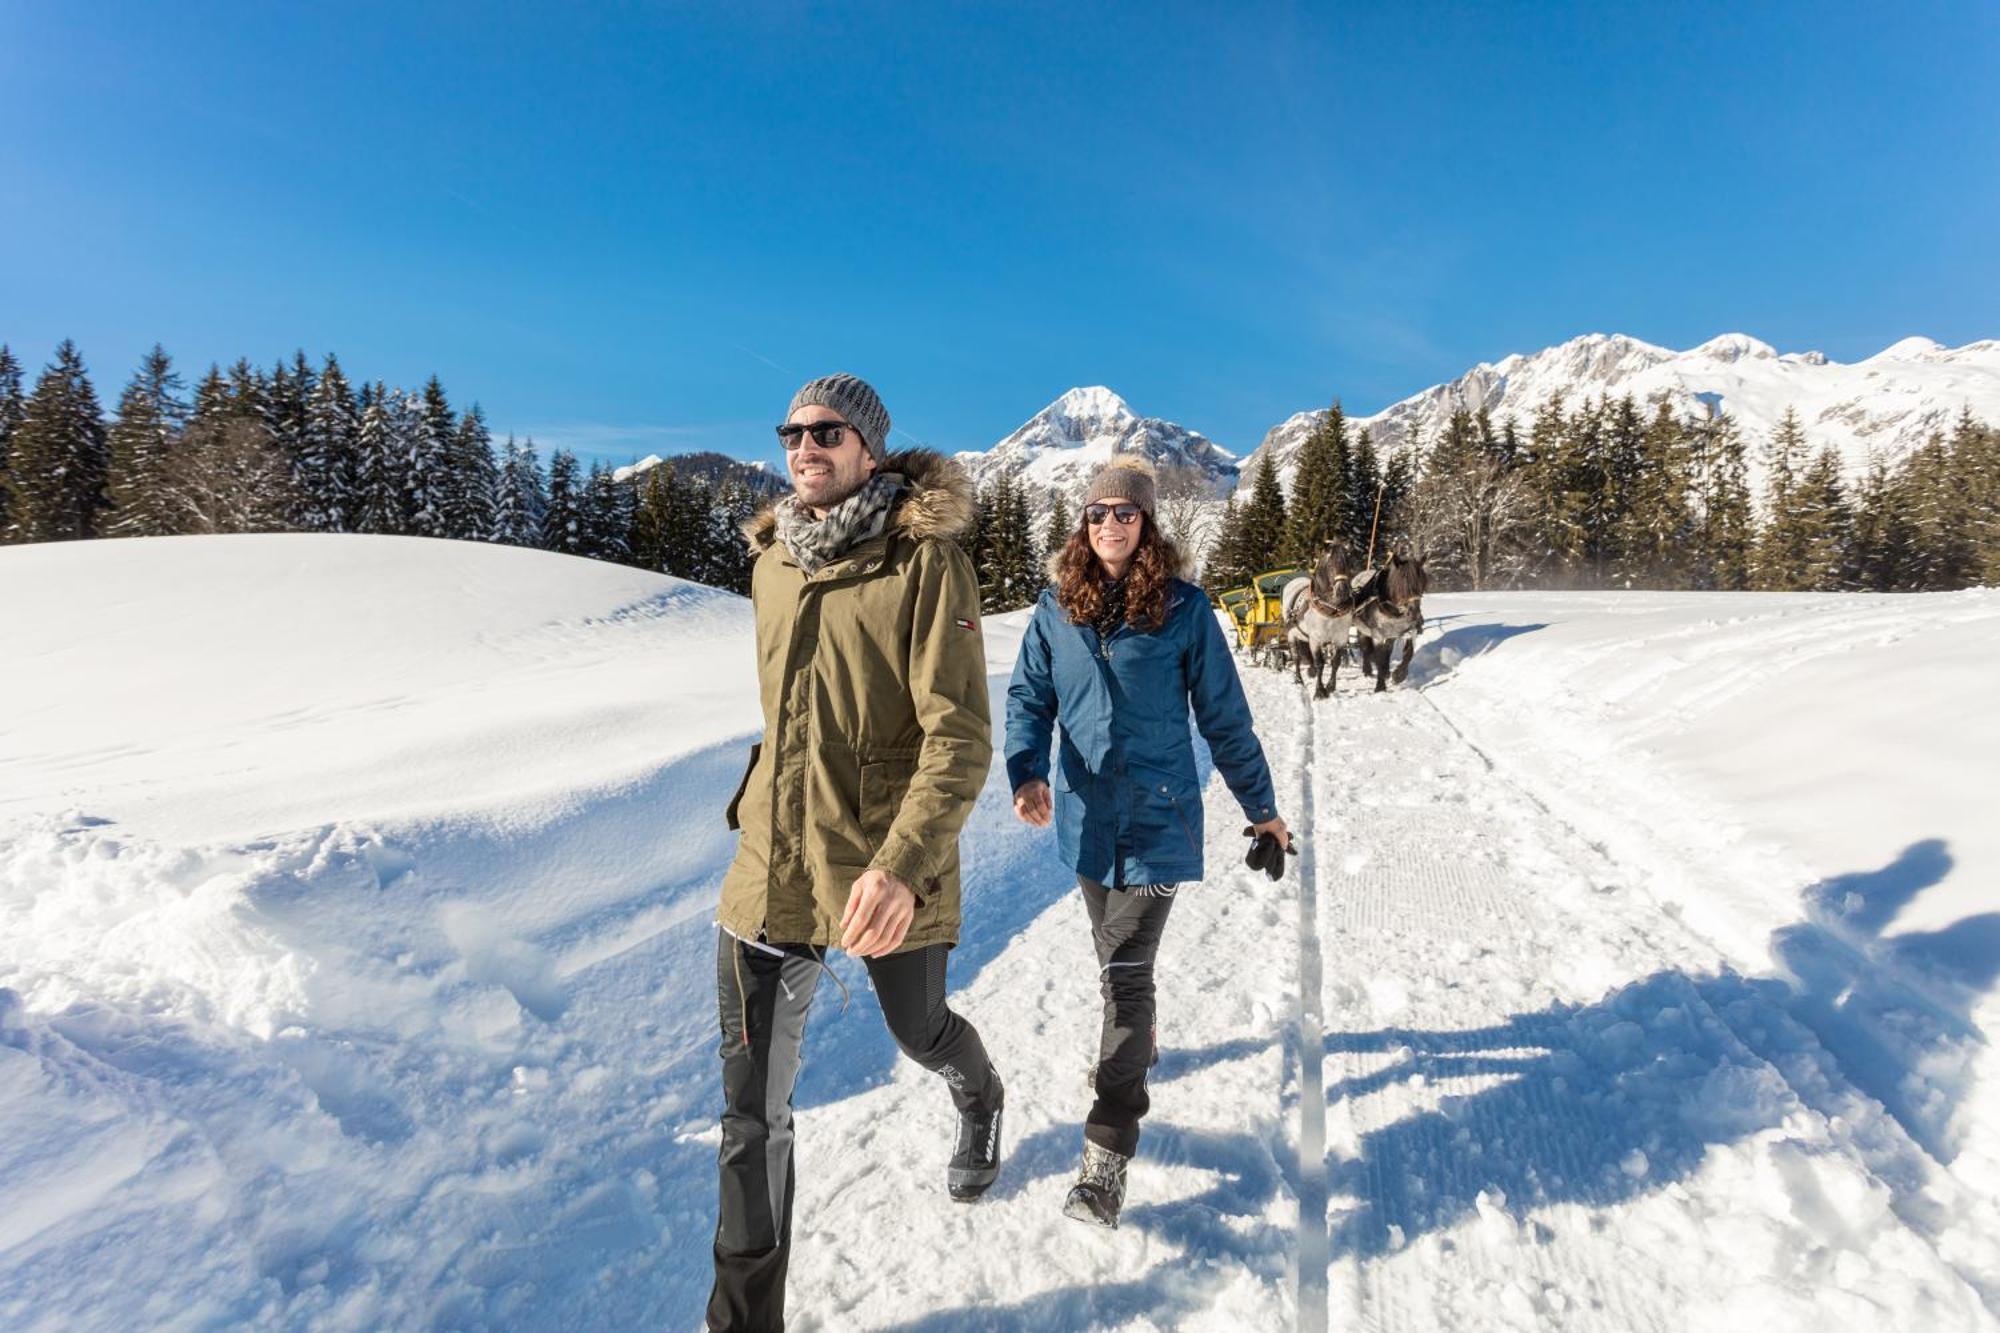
{"points": [[818, 956]]}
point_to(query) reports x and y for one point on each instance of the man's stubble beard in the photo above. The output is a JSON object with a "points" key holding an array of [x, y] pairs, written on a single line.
{"points": [[833, 501]]}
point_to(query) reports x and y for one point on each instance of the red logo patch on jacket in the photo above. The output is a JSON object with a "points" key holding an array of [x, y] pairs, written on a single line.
{"points": [[963, 623]]}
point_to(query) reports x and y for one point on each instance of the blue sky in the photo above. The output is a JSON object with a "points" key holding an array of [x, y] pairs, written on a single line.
{"points": [[635, 228]]}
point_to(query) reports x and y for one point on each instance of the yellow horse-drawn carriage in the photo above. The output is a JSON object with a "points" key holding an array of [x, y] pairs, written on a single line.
{"points": [[1257, 611]]}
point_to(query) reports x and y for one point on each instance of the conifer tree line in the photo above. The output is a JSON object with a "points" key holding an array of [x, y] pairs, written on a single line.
{"points": [[1007, 554], [1606, 495], [301, 448]]}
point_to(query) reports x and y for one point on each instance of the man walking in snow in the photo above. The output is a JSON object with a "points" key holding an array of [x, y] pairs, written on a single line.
{"points": [[876, 743]]}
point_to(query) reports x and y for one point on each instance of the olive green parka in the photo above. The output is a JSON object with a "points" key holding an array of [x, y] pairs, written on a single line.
{"points": [[877, 733]]}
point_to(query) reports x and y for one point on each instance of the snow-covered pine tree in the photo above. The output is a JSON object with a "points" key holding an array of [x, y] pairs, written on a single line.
{"points": [[249, 392], [563, 518], [1828, 524], [992, 563], [1055, 534], [699, 540], [1321, 512], [1725, 524], [1399, 479], [1225, 568], [1881, 533], [1975, 469], [327, 468], [57, 472], [143, 437], [1581, 494], [1543, 467], [977, 539], [1652, 547], [1779, 563], [288, 391], [377, 500], [12, 405], [1975, 466], [607, 515], [472, 493], [1364, 486], [427, 477], [729, 507], [653, 536], [1262, 520], [1623, 451], [522, 497], [1943, 555], [1016, 575]]}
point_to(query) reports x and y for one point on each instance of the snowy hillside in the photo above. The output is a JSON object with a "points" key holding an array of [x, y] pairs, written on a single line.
{"points": [[1055, 451], [1886, 404], [356, 972]]}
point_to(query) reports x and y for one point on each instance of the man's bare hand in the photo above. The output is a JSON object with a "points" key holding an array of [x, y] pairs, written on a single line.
{"points": [[1034, 803], [879, 910]]}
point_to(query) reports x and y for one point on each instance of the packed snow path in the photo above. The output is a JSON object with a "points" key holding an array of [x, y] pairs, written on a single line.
{"points": [[1521, 1043]]}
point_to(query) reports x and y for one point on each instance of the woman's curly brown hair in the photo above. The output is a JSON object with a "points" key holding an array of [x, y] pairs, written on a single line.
{"points": [[1079, 577]]}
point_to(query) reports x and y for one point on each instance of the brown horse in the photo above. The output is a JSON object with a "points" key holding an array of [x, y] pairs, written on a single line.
{"points": [[1391, 608]]}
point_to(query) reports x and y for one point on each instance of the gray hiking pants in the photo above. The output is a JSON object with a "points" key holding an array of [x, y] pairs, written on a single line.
{"points": [[762, 993]]}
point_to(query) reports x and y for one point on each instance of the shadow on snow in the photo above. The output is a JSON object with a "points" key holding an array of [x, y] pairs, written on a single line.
{"points": [[1601, 1102], [1606, 1101]]}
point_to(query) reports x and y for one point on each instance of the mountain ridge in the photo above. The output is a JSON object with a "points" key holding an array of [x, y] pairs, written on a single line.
{"points": [[1885, 405]]}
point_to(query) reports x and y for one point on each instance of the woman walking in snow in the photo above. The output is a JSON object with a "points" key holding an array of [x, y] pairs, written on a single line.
{"points": [[1119, 651]]}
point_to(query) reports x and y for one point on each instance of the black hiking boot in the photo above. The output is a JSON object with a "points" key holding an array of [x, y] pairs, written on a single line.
{"points": [[1099, 1192], [975, 1156]]}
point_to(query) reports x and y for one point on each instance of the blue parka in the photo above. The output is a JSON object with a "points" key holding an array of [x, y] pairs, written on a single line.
{"points": [[1127, 800]]}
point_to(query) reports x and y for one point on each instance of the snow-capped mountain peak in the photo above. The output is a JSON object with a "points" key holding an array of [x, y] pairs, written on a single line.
{"points": [[1912, 349], [1084, 407], [1734, 347], [1055, 450]]}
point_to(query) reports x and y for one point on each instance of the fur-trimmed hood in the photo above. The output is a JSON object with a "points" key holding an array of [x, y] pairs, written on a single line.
{"points": [[936, 502]]}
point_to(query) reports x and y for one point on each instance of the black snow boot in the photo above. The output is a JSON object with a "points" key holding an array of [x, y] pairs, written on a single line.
{"points": [[975, 1156], [1099, 1192]]}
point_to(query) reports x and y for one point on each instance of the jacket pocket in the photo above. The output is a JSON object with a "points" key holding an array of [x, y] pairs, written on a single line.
{"points": [[729, 815], [884, 784], [1159, 787]]}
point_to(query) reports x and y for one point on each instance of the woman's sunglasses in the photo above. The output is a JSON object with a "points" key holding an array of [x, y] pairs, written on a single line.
{"points": [[1126, 515], [826, 434]]}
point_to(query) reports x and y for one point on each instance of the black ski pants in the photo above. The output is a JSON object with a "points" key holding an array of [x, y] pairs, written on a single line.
{"points": [[762, 993], [1125, 925]]}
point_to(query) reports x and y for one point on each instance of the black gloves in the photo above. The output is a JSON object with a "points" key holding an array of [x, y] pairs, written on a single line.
{"points": [[1266, 855]]}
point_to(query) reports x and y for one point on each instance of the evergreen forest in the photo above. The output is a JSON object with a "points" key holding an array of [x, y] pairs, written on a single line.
{"points": [[1599, 494]]}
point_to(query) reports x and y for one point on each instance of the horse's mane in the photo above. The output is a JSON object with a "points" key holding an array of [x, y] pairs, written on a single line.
{"points": [[1405, 578], [1332, 577]]}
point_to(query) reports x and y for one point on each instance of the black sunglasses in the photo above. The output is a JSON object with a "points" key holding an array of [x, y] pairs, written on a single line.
{"points": [[1127, 515], [826, 434]]}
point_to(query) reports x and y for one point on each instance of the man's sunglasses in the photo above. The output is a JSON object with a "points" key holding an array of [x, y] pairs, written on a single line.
{"points": [[1126, 515], [826, 434]]}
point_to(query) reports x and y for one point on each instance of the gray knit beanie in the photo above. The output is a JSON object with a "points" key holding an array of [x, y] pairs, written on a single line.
{"points": [[857, 404], [1125, 477]]}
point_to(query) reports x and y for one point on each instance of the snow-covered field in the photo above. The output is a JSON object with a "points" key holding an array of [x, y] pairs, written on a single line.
{"points": [[355, 973]]}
